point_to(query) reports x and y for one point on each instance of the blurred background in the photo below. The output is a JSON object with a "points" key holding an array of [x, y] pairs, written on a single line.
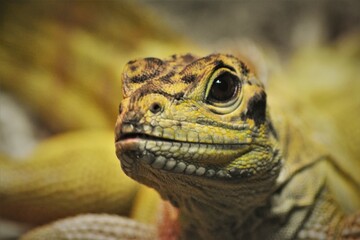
{"points": [[60, 72], [284, 25]]}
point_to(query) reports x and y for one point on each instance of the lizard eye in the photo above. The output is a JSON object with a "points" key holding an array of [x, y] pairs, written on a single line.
{"points": [[223, 93], [224, 88]]}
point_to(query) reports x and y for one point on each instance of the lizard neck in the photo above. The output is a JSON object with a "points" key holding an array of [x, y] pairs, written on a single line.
{"points": [[222, 211]]}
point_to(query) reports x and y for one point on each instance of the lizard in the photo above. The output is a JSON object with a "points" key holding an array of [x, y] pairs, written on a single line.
{"points": [[199, 131]]}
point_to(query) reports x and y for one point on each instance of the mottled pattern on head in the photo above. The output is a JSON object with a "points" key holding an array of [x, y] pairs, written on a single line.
{"points": [[173, 127], [177, 75], [169, 99], [178, 71]]}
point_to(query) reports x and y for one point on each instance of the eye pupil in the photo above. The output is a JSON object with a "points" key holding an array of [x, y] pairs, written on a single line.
{"points": [[223, 88]]}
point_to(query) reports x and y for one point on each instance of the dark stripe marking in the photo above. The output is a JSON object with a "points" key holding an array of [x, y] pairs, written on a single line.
{"points": [[178, 96], [248, 82], [244, 69], [256, 108], [189, 78], [167, 78], [145, 90], [143, 77], [153, 61], [220, 64]]}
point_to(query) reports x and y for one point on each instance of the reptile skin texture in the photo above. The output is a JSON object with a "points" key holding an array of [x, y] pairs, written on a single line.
{"points": [[62, 62], [226, 158], [198, 130]]}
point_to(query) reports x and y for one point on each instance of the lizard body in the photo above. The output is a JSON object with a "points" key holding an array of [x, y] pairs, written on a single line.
{"points": [[230, 166], [198, 131]]}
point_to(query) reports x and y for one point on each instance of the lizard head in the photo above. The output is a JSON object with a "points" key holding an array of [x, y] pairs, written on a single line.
{"points": [[187, 120]]}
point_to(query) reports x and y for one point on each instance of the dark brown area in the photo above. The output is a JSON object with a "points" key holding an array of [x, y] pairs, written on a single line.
{"points": [[256, 108], [151, 62], [189, 78], [142, 78], [244, 69], [133, 68], [167, 78], [188, 58]]}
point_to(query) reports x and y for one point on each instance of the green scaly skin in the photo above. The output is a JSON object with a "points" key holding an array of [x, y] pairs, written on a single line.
{"points": [[232, 171]]}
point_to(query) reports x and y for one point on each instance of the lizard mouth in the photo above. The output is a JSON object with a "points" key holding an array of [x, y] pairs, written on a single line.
{"points": [[141, 136], [169, 155]]}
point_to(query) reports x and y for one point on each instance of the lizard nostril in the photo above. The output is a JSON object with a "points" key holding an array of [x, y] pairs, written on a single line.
{"points": [[155, 107]]}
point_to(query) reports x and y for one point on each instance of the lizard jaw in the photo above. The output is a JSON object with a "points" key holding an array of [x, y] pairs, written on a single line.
{"points": [[176, 157]]}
